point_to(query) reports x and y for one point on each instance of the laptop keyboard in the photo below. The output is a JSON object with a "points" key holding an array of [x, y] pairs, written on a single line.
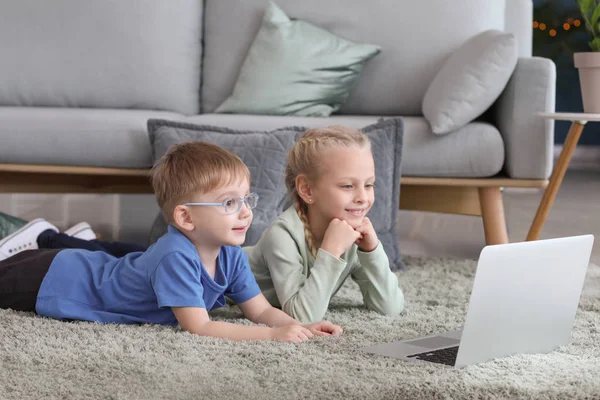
{"points": [[442, 356]]}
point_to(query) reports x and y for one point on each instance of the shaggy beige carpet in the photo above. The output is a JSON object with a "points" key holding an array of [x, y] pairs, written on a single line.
{"points": [[47, 359]]}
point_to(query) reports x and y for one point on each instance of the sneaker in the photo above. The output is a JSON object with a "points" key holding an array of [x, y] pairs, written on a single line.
{"points": [[82, 230], [24, 238]]}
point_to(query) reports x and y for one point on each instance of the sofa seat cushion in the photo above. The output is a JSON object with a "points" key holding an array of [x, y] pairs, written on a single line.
{"points": [[474, 151], [75, 136]]}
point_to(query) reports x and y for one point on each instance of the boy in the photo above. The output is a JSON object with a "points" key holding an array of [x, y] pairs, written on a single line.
{"points": [[204, 192]]}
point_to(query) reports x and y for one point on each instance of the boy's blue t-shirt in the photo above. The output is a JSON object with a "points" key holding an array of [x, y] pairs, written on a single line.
{"points": [[142, 286]]}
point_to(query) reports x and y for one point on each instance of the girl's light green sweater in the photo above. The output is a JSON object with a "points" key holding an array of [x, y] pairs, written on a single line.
{"points": [[302, 285]]}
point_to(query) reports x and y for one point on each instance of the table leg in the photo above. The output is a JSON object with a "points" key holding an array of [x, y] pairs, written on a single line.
{"points": [[555, 180]]}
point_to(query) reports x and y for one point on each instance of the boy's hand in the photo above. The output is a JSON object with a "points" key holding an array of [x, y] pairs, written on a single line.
{"points": [[293, 333], [338, 237], [324, 328], [368, 239]]}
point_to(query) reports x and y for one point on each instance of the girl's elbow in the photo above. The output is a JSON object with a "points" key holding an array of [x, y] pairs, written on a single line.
{"points": [[392, 311], [391, 308], [398, 305]]}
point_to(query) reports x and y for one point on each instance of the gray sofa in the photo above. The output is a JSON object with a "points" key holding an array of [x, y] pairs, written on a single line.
{"points": [[79, 80]]}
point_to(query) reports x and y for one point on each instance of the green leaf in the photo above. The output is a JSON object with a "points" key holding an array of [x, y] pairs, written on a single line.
{"points": [[590, 11], [595, 44], [595, 17], [586, 7]]}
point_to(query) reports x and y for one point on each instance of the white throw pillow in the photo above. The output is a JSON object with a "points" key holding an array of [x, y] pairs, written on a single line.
{"points": [[470, 81]]}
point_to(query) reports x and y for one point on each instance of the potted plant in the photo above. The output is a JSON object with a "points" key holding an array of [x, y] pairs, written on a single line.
{"points": [[588, 63]]}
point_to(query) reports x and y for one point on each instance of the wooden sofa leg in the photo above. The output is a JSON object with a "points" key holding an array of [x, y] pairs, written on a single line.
{"points": [[492, 211]]}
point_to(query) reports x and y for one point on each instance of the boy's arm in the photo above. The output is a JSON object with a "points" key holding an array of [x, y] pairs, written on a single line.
{"points": [[177, 285], [244, 290], [260, 311], [377, 283], [196, 320]]}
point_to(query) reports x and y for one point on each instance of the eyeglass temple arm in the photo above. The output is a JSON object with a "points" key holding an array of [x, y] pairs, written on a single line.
{"points": [[202, 204]]}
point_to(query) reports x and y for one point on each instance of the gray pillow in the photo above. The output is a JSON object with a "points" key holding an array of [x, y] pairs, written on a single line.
{"points": [[265, 154], [470, 81]]}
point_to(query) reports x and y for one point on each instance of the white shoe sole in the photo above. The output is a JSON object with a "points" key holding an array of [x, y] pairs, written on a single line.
{"points": [[82, 230]]}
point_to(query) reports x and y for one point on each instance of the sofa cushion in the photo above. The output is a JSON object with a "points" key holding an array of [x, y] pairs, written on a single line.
{"points": [[415, 38], [119, 139], [270, 122], [265, 154], [474, 151], [75, 136], [296, 68], [98, 53], [470, 81]]}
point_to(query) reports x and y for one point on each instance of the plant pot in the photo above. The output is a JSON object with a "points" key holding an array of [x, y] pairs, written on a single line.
{"points": [[588, 64]]}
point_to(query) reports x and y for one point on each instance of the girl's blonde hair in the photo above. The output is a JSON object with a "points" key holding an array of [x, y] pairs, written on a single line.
{"points": [[191, 167], [305, 159]]}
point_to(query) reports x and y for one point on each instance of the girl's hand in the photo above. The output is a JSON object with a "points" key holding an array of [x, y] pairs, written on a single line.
{"points": [[324, 328], [338, 238], [368, 239]]}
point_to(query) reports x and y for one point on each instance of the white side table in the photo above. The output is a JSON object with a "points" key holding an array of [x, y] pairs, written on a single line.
{"points": [[578, 122]]}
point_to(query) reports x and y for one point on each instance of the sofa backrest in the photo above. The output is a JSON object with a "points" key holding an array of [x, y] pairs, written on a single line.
{"points": [[518, 19], [148, 54], [416, 36], [101, 53]]}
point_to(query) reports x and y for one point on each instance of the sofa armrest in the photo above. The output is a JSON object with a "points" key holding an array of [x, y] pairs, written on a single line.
{"points": [[528, 138]]}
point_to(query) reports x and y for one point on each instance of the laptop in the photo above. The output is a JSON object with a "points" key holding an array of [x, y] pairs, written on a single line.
{"points": [[524, 299]]}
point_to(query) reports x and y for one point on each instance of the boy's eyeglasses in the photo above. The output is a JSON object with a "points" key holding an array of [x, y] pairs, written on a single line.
{"points": [[232, 205]]}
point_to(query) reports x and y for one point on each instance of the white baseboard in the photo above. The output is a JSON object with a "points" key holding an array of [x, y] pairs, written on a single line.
{"points": [[584, 157]]}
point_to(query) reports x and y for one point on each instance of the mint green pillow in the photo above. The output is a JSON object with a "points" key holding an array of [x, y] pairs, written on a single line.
{"points": [[296, 68]]}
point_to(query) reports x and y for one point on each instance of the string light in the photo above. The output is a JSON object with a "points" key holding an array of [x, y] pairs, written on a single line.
{"points": [[571, 22]]}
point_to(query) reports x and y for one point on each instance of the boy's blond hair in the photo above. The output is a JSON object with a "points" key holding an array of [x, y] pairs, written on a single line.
{"points": [[306, 156], [191, 168]]}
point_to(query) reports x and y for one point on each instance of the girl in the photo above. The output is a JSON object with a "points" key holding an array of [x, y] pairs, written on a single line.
{"points": [[305, 256]]}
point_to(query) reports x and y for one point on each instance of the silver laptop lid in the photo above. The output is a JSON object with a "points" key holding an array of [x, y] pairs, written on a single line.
{"points": [[524, 298]]}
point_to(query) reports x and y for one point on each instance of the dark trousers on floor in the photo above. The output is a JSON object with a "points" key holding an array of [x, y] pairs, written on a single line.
{"points": [[53, 240], [21, 277]]}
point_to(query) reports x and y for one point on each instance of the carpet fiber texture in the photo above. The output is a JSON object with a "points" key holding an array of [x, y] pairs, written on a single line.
{"points": [[42, 358]]}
